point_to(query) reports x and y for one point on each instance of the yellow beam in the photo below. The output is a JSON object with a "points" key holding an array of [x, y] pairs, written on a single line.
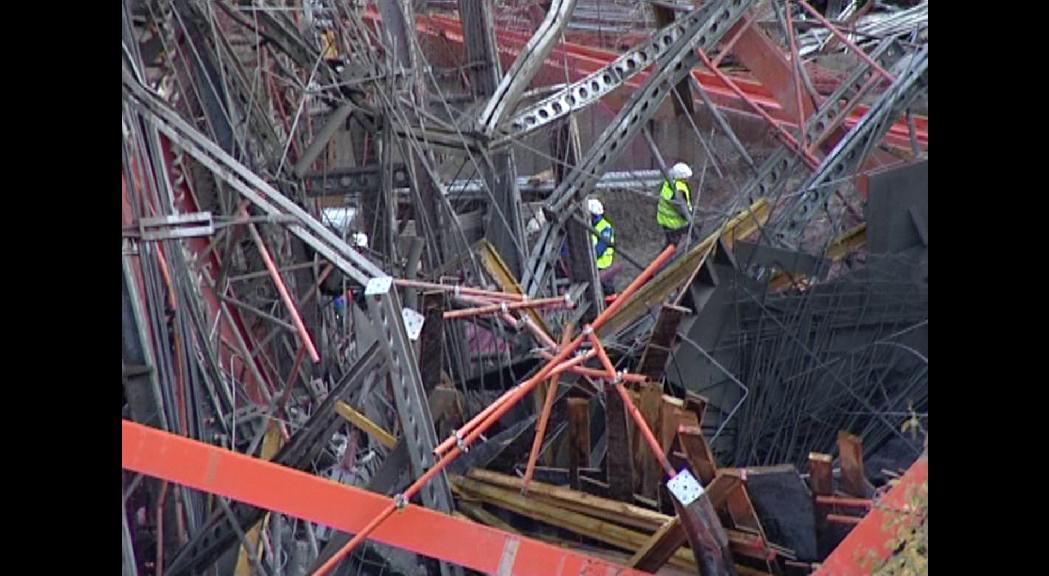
{"points": [[361, 421], [673, 276], [271, 444], [851, 241], [497, 268]]}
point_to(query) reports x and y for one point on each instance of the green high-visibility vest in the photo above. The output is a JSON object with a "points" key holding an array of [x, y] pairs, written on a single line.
{"points": [[666, 214], [604, 260]]}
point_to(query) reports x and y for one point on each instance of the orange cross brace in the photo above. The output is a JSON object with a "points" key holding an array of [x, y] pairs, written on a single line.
{"points": [[267, 485]]}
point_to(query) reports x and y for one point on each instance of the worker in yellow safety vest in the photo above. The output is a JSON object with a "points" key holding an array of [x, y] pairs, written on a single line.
{"points": [[675, 204], [604, 245]]}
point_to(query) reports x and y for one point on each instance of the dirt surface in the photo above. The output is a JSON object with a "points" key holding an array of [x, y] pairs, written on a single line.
{"points": [[633, 212]]}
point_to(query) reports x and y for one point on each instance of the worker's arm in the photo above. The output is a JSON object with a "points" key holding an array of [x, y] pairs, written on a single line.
{"points": [[603, 241], [682, 206]]}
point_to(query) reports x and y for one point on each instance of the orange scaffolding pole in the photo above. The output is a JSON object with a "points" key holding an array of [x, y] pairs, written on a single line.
{"points": [[459, 444], [544, 418]]}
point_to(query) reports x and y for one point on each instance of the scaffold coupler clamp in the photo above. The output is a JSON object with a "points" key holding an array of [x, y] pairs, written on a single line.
{"points": [[460, 442], [400, 501]]}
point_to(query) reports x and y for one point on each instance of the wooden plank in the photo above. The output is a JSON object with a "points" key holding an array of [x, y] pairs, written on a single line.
{"points": [[600, 530], [361, 421], [578, 438], [649, 472], [853, 480], [657, 350], [821, 480], [613, 510], [620, 464], [431, 340], [478, 513], [697, 404], [672, 415], [719, 489], [742, 511], [660, 546], [622, 512], [698, 452]]}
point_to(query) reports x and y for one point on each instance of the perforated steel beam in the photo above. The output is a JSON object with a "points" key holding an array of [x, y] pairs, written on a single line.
{"points": [[591, 88], [701, 29], [781, 164], [409, 395], [847, 155], [528, 63]]}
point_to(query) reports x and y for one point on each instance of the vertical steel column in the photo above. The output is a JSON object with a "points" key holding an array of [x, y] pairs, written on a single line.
{"points": [[501, 176], [410, 398]]}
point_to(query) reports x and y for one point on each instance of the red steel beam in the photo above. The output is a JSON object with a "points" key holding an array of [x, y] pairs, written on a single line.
{"points": [[267, 485], [767, 62], [208, 262], [582, 60], [873, 535]]}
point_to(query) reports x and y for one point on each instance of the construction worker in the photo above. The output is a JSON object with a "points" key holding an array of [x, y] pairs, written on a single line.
{"points": [[358, 240], [675, 204], [604, 249]]}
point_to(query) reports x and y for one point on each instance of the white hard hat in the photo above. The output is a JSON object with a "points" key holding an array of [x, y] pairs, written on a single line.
{"points": [[595, 206], [360, 239], [680, 170]]}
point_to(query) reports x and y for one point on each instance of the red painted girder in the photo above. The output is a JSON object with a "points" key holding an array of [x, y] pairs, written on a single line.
{"points": [[873, 534], [583, 60], [186, 202], [267, 485], [768, 64]]}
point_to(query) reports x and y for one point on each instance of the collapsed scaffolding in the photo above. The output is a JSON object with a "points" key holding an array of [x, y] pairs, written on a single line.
{"points": [[795, 309]]}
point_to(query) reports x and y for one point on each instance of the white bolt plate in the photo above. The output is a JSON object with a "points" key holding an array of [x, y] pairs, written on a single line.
{"points": [[378, 286], [413, 323], [685, 487]]}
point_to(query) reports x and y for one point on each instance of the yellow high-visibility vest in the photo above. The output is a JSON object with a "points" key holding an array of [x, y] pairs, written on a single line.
{"points": [[666, 214], [604, 260]]}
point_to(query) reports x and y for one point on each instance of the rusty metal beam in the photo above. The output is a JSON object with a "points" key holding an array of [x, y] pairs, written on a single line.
{"points": [[820, 478], [578, 437], [660, 547], [875, 534], [620, 465], [219, 471], [657, 351], [853, 479]]}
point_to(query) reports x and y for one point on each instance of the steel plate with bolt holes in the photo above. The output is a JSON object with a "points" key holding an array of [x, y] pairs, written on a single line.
{"points": [[378, 286], [685, 487], [413, 323]]}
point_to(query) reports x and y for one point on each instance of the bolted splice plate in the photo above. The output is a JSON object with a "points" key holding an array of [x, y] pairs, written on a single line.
{"points": [[378, 286], [685, 487], [413, 323]]}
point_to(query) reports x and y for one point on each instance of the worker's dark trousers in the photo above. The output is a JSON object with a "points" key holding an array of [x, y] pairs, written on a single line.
{"points": [[608, 278], [675, 236]]}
